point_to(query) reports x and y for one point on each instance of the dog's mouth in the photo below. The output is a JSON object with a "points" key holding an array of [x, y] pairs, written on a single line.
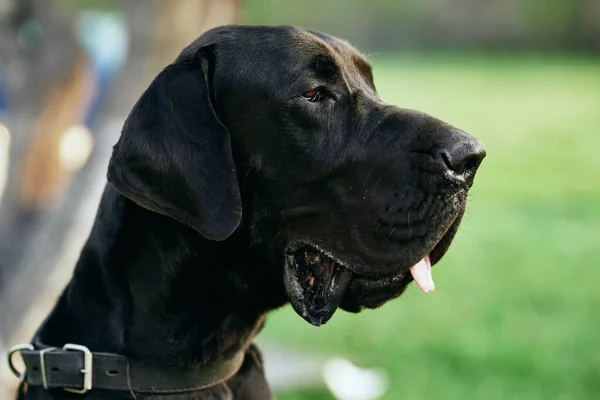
{"points": [[316, 281]]}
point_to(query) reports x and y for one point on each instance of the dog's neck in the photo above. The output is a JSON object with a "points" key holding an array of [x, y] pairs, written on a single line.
{"points": [[152, 289]]}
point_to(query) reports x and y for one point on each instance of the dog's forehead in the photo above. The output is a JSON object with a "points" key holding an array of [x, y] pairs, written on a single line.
{"points": [[279, 57], [342, 52]]}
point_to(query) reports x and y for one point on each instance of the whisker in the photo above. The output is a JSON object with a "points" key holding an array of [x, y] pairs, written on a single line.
{"points": [[390, 235], [378, 220], [246, 177], [409, 233]]}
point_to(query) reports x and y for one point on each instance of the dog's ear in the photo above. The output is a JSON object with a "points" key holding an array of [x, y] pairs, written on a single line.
{"points": [[174, 155]]}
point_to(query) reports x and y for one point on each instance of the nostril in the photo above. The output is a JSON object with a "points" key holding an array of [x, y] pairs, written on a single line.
{"points": [[471, 164], [463, 160]]}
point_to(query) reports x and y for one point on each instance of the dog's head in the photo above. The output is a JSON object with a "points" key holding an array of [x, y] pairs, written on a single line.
{"points": [[280, 132]]}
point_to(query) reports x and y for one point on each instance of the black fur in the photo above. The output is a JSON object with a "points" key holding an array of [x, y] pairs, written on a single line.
{"points": [[223, 164]]}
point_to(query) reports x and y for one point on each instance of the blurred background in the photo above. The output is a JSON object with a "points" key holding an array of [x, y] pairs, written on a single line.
{"points": [[516, 313]]}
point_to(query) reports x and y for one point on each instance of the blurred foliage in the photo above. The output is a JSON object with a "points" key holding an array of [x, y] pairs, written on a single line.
{"points": [[385, 24], [411, 24], [92, 4], [516, 310]]}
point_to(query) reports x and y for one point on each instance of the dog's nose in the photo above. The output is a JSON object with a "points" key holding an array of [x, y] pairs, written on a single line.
{"points": [[463, 154]]}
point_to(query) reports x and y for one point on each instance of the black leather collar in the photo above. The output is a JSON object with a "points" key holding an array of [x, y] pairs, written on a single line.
{"points": [[75, 368]]}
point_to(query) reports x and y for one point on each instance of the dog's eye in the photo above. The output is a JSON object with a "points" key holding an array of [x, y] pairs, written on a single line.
{"points": [[313, 95]]}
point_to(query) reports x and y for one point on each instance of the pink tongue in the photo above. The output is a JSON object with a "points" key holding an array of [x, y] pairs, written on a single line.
{"points": [[421, 273]]}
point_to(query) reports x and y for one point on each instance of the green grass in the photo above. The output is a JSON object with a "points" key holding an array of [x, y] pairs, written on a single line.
{"points": [[516, 313]]}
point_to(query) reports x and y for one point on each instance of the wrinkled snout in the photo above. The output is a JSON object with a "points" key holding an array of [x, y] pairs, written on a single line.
{"points": [[424, 168], [416, 141]]}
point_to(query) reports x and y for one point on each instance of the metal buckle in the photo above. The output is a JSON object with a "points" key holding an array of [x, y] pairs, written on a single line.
{"points": [[86, 370], [18, 349]]}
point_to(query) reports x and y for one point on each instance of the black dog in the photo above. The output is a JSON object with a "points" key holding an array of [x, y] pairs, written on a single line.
{"points": [[259, 168]]}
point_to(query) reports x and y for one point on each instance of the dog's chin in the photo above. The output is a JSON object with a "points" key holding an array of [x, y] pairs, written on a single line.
{"points": [[318, 284]]}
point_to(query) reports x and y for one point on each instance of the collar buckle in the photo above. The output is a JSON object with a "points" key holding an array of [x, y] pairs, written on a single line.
{"points": [[86, 370]]}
